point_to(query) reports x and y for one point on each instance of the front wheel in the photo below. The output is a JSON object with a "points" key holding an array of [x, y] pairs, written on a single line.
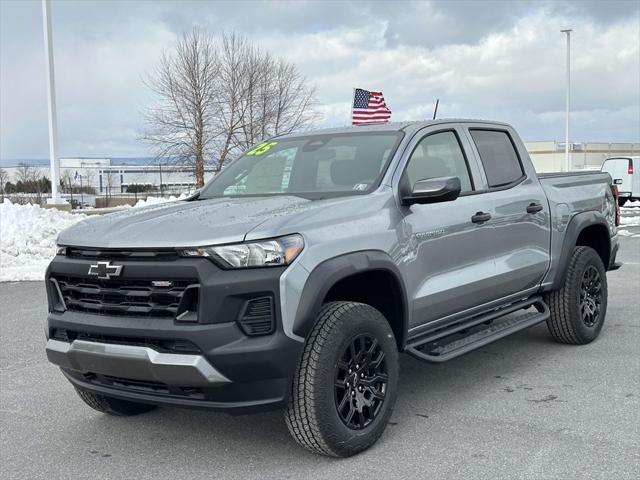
{"points": [[345, 386], [579, 307]]}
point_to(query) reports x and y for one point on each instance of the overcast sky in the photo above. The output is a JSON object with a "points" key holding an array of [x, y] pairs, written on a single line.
{"points": [[484, 59]]}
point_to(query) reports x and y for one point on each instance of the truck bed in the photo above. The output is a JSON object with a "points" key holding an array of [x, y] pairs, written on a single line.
{"points": [[580, 191], [569, 194]]}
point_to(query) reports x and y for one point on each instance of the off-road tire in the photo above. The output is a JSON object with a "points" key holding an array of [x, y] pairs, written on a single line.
{"points": [[566, 324], [312, 414], [113, 406]]}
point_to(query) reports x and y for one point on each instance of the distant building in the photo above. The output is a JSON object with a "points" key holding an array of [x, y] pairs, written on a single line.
{"points": [[548, 156], [165, 178], [81, 163], [113, 177]]}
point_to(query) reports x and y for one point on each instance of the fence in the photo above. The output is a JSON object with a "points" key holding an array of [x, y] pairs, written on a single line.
{"points": [[79, 201]]}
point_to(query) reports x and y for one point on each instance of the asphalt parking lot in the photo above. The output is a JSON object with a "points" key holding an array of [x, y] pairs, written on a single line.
{"points": [[524, 407]]}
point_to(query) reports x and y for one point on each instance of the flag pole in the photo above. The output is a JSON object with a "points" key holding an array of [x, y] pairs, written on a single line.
{"points": [[353, 97]]}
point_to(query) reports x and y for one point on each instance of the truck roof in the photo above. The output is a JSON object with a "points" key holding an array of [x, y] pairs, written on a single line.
{"points": [[409, 127]]}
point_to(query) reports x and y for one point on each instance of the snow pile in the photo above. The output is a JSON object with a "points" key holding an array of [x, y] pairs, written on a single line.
{"points": [[28, 236], [28, 239], [630, 218], [630, 221], [155, 200]]}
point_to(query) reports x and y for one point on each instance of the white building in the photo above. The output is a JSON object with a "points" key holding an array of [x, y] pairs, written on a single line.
{"points": [[548, 156], [111, 177]]}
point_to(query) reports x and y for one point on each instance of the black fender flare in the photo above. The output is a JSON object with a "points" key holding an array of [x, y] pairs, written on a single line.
{"points": [[576, 225], [328, 273]]}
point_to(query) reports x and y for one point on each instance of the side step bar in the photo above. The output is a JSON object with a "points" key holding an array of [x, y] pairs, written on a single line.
{"points": [[467, 335]]}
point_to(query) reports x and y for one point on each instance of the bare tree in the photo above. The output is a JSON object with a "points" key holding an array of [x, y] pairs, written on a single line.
{"points": [[89, 177], [4, 178], [180, 122], [65, 181], [218, 96], [110, 180], [25, 173]]}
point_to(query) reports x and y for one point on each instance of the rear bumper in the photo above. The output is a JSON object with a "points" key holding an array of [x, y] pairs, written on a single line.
{"points": [[615, 246]]}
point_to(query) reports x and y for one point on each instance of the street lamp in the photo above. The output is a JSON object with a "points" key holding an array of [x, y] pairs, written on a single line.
{"points": [[51, 96], [81, 190], [567, 152]]}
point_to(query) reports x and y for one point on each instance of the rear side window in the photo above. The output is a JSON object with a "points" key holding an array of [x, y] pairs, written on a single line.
{"points": [[499, 157]]}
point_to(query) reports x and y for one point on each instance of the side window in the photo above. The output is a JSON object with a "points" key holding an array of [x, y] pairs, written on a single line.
{"points": [[499, 157], [439, 155]]}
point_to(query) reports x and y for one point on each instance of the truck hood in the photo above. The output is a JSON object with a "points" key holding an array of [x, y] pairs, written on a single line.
{"points": [[181, 223]]}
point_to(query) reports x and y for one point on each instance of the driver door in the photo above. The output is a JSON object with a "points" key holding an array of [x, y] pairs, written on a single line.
{"points": [[449, 263]]}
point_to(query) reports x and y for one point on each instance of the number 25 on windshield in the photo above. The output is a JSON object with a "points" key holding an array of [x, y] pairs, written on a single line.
{"points": [[261, 148]]}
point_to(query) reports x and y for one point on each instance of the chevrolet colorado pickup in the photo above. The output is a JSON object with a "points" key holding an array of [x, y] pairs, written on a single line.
{"points": [[295, 277]]}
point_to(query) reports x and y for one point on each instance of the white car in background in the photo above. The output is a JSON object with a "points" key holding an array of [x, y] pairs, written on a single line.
{"points": [[625, 172]]}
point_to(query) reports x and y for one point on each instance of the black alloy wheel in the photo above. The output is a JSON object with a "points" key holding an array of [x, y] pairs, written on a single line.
{"points": [[360, 382], [590, 296], [577, 309], [346, 383]]}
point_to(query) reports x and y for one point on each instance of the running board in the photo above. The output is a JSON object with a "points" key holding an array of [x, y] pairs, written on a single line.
{"points": [[467, 335]]}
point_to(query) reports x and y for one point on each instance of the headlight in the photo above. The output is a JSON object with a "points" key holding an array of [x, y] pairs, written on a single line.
{"points": [[60, 250], [275, 252]]}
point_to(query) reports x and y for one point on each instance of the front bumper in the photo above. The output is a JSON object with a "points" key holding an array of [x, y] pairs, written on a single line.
{"points": [[210, 363], [134, 362]]}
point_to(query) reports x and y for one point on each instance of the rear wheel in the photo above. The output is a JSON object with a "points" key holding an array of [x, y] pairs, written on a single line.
{"points": [[579, 307], [113, 406], [622, 201], [344, 388]]}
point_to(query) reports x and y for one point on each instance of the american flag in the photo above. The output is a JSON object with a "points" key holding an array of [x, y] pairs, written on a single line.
{"points": [[369, 107]]}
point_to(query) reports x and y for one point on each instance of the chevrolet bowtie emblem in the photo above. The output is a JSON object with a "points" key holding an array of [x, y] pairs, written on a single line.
{"points": [[104, 270]]}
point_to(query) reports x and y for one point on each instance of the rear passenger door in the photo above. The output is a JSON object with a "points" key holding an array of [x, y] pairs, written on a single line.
{"points": [[447, 258], [521, 222]]}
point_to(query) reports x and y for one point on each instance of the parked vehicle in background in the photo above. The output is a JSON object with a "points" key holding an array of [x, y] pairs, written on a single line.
{"points": [[625, 172], [297, 275]]}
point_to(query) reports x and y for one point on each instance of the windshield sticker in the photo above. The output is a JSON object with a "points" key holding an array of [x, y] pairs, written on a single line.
{"points": [[361, 186], [261, 148]]}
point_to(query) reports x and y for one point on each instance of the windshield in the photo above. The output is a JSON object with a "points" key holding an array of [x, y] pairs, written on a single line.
{"points": [[314, 166]]}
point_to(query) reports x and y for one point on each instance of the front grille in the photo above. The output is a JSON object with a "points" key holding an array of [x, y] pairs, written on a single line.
{"points": [[139, 298], [88, 253]]}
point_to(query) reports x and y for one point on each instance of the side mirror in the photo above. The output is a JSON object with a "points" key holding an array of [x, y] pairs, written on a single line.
{"points": [[433, 190]]}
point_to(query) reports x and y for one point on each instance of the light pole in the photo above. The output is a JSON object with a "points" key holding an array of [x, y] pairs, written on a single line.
{"points": [[51, 96], [567, 151], [81, 189]]}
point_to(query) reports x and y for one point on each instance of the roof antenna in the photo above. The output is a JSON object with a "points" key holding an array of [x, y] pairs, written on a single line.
{"points": [[435, 110]]}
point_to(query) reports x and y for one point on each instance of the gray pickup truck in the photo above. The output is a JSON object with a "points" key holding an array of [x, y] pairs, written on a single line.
{"points": [[296, 276]]}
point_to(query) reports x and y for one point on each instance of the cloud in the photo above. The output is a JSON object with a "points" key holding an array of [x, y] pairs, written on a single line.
{"points": [[480, 58]]}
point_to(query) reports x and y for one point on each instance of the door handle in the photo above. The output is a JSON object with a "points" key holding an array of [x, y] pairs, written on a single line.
{"points": [[534, 208], [481, 217]]}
